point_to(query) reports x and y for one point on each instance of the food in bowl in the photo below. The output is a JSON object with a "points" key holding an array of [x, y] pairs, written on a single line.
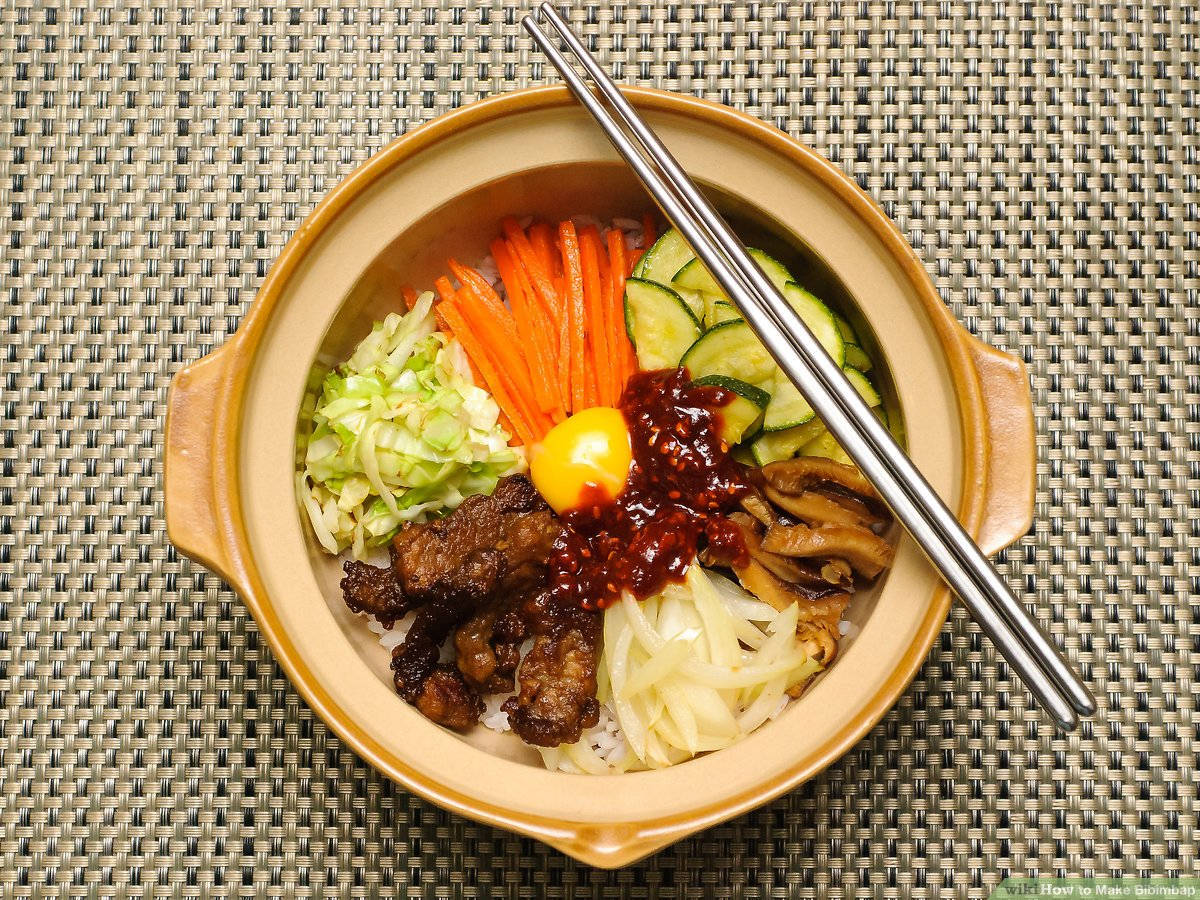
{"points": [[614, 527]]}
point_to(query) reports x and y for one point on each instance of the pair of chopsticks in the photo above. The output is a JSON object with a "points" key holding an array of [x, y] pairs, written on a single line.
{"points": [[1004, 619]]}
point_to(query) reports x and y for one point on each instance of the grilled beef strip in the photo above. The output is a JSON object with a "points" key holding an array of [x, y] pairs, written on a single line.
{"points": [[440, 559], [373, 590], [487, 552], [557, 678], [488, 646]]}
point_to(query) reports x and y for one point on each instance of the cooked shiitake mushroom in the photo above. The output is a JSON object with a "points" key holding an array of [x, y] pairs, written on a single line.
{"points": [[866, 552]]}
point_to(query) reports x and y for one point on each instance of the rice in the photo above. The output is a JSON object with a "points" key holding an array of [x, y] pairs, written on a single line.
{"points": [[493, 716], [584, 221], [607, 743], [635, 236], [488, 269], [392, 638]]}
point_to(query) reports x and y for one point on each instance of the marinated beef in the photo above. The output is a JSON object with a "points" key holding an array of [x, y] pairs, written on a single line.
{"points": [[557, 678], [447, 699], [488, 646], [490, 544], [373, 590]]}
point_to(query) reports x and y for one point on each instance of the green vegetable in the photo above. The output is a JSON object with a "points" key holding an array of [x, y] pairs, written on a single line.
{"points": [[398, 432], [742, 414], [660, 323]]}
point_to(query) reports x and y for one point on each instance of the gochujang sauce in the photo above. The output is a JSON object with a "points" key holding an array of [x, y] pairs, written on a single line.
{"points": [[681, 486]]}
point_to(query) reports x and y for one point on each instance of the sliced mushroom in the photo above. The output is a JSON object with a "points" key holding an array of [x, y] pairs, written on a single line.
{"points": [[807, 582], [795, 476], [821, 644], [866, 552], [817, 508], [758, 580], [837, 571], [755, 504]]}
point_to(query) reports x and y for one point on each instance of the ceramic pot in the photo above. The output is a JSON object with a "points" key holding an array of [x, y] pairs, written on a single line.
{"points": [[440, 191]]}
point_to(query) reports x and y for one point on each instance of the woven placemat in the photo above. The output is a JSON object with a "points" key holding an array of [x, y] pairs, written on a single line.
{"points": [[1040, 155]]}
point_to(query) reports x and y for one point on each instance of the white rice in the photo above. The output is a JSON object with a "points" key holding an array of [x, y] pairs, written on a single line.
{"points": [[488, 269], [493, 716], [392, 638], [606, 740], [633, 231], [583, 221]]}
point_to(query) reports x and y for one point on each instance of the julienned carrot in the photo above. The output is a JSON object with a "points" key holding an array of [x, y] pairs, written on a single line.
{"points": [[445, 289], [590, 253], [541, 276], [445, 292], [504, 351], [615, 297], [623, 349], [612, 366], [609, 324], [515, 377], [491, 376], [409, 295], [541, 236], [526, 316], [491, 318], [649, 236], [549, 335], [542, 239], [482, 301], [480, 287], [568, 242], [566, 385]]}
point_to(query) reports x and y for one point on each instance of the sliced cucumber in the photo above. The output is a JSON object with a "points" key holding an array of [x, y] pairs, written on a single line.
{"points": [[819, 319], [694, 300], [695, 277], [743, 454], [665, 258], [741, 415], [719, 312], [773, 268], [825, 445], [846, 330], [710, 301], [857, 357], [659, 323], [787, 408], [730, 349], [863, 385], [771, 446]]}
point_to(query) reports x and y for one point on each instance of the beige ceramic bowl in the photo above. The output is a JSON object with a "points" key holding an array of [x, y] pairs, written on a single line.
{"points": [[441, 191]]}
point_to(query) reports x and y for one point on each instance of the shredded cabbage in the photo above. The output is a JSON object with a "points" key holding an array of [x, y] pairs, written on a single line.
{"points": [[400, 431], [693, 669]]}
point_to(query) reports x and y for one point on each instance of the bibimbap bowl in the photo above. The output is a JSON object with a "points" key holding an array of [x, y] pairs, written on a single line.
{"points": [[964, 410]]}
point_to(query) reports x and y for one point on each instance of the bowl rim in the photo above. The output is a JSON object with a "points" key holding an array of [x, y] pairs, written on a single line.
{"points": [[607, 844]]}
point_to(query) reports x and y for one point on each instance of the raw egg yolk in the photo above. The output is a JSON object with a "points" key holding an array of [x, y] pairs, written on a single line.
{"points": [[590, 448]]}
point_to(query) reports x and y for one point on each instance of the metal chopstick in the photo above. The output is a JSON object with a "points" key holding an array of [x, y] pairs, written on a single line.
{"points": [[1002, 617]]}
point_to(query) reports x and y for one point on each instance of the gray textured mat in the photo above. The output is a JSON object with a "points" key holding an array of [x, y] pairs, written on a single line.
{"points": [[154, 158]]}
